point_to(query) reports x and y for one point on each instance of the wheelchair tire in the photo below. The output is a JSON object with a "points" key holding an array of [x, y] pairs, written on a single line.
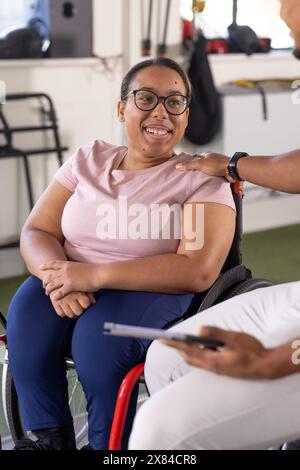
{"points": [[13, 414], [245, 286], [11, 406]]}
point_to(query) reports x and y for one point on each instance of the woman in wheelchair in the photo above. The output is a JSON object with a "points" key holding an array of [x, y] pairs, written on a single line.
{"points": [[100, 248]]}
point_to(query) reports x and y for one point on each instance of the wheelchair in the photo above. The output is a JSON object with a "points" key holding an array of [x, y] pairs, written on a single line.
{"points": [[234, 279]]}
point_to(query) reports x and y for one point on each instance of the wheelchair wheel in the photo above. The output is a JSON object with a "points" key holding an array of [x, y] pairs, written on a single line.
{"points": [[77, 405], [245, 286]]}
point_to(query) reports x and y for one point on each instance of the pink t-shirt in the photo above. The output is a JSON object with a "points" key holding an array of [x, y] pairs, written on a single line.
{"points": [[116, 215]]}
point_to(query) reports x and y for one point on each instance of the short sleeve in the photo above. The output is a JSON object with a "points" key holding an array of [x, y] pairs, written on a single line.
{"points": [[66, 174], [204, 188]]}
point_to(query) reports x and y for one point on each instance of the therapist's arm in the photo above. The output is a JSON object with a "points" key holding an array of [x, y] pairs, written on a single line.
{"points": [[243, 355], [279, 172]]}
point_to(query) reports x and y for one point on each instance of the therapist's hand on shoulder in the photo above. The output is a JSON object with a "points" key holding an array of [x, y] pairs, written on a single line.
{"points": [[242, 356], [213, 164], [68, 276]]}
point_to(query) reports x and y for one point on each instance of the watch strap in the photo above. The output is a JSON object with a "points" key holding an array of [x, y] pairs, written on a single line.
{"points": [[232, 165]]}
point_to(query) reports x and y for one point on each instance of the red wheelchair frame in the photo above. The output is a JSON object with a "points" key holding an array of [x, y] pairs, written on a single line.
{"points": [[121, 407]]}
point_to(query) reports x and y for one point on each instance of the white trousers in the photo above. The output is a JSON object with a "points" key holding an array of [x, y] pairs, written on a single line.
{"points": [[191, 408]]}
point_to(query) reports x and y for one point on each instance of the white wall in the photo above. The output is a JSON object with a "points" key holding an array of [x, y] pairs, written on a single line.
{"points": [[230, 67], [108, 26]]}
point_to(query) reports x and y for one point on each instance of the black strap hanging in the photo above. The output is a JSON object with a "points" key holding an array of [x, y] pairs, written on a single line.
{"points": [[162, 47], [205, 110], [234, 11], [146, 43]]}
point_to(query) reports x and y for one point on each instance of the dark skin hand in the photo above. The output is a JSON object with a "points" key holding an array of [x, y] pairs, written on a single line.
{"points": [[279, 172], [242, 356]]}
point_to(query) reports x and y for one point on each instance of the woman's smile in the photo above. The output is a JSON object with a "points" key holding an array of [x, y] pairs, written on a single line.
{"points": [[157, 132]]}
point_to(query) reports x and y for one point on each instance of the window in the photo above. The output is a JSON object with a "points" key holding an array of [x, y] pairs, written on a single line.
{"points": [[16, 13], [261, 15]]}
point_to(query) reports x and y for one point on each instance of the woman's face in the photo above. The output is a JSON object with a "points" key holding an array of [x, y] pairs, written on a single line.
{"points": [[154, 133]]}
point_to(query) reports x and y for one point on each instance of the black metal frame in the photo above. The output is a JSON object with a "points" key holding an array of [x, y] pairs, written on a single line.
{"points": [[8, 150]]}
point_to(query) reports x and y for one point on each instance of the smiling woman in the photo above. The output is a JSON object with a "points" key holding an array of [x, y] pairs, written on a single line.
{"points": [[155, 95], [89, 280]]}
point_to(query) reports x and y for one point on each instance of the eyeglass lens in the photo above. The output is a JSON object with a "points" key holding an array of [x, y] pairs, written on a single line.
{"points": [[146, 101]]}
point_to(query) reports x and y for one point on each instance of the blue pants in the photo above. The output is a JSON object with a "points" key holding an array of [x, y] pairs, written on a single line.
{"points": [[39, 340]]}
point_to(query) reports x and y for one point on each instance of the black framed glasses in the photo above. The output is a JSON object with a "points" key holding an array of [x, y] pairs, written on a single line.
{"points": [[147, 100]]}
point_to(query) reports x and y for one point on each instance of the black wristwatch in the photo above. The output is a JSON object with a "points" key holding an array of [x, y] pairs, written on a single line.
{"points": [[232, 165], [296, 53]]}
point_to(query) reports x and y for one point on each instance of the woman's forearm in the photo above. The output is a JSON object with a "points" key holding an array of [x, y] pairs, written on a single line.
{"points": [[38, 247], [172, 273], [280, 172]]}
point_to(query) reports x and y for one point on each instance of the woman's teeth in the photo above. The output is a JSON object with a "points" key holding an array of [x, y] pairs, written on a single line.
{"points": [[152, 131]]}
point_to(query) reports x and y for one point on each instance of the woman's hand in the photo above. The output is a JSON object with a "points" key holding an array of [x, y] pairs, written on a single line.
{"points": [[73, 304], [213, 164], [64, 277], [242, 356]]}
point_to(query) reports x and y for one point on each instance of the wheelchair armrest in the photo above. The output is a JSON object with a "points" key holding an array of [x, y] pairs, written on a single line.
{"points": [[225, 282]]}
